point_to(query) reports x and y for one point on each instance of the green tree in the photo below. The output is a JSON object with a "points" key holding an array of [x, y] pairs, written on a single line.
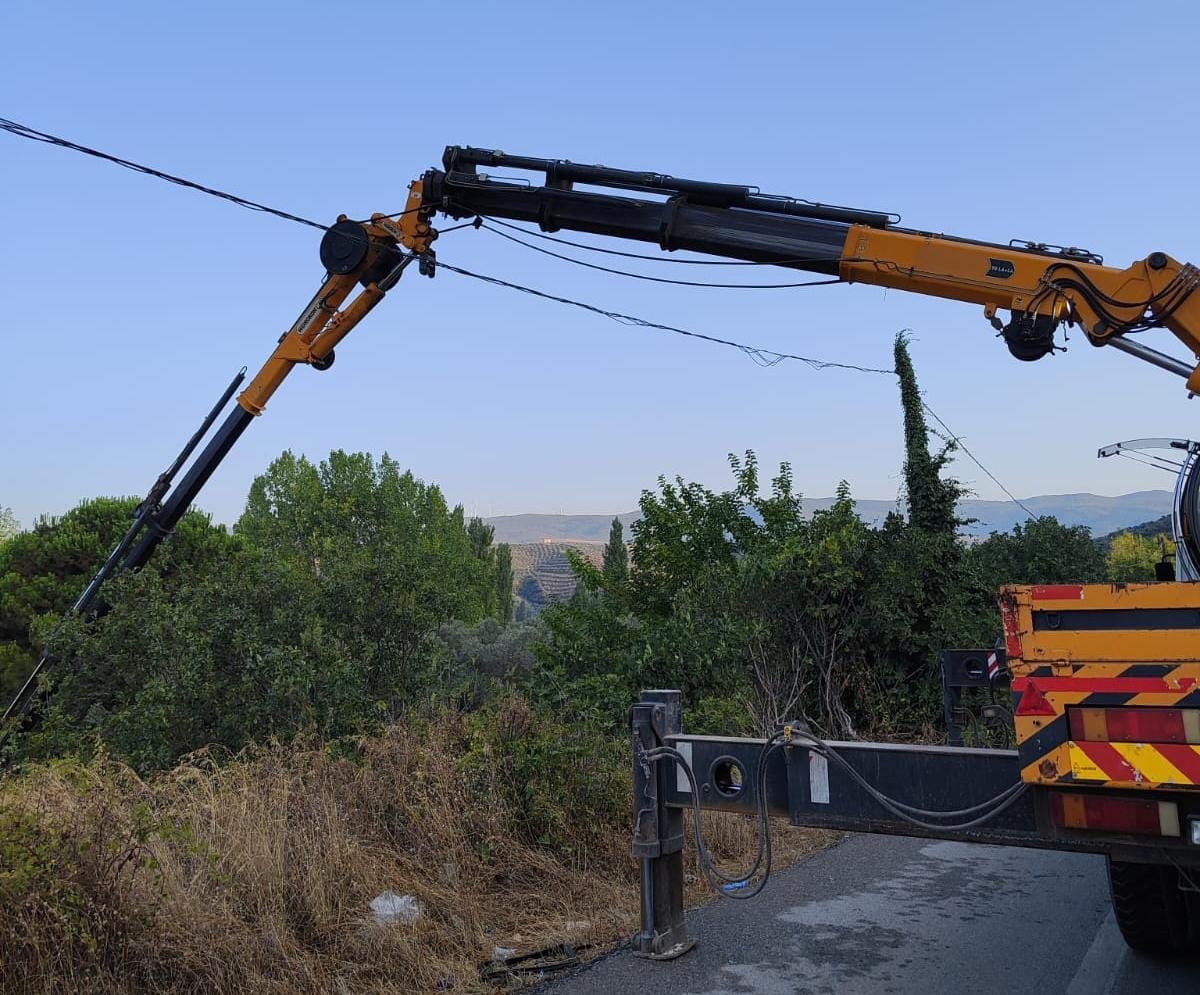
{"points": [[43, 571], [322, 614], [392, 561], [1133, 557], [481, 535], [9, 526], [1039, 551], [922, 559]]}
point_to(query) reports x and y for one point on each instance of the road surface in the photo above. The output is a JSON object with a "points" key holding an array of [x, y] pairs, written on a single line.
{"points": [[879, 914]]}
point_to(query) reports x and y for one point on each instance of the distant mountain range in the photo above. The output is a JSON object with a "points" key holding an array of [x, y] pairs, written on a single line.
{"points": [[1098, 512]]}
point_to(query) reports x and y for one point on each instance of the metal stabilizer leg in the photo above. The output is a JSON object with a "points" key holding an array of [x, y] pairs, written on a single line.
{"points": [[658, 830]]}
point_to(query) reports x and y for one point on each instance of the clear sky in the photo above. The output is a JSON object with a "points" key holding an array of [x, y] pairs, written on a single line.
{"points": [[130, 302]]}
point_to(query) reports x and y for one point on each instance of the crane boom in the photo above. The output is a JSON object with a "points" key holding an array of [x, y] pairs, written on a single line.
{"points": [[1041, 286]]}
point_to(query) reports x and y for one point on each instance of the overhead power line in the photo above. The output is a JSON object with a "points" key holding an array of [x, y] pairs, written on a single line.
{"points": [[23, 131], [974, 459], [763, 357]]}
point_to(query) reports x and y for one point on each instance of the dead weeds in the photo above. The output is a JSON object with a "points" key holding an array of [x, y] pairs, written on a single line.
{"points": [[255, 874]]}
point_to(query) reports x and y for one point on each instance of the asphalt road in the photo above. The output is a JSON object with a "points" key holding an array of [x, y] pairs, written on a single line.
{"points": [[879, 914]]}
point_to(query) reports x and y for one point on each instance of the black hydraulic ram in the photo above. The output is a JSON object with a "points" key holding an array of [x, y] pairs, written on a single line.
{"points": [[153, 521], [715, 218]]}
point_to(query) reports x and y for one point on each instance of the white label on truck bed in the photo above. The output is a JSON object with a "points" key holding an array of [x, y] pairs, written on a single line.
{"points": [[681, 782], [818, 779]]}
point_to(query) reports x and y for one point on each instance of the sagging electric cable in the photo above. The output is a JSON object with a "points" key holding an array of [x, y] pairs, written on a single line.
{"points": [[974, 459], [763, 357], [32, 134]]}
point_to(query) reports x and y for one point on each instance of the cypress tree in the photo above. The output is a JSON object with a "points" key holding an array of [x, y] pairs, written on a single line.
{"points": [[504, 576], [616, 557]]}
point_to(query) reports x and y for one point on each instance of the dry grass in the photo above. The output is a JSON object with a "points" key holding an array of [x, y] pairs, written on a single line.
{"points": [[255, 874]]}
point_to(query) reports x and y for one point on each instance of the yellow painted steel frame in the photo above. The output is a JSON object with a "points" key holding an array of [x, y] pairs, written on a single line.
{"points": [[321, 325], [959, 269], [1134, 652]]}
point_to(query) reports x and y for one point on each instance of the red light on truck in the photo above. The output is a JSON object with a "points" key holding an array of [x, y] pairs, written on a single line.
{"points": [[1141, 816], [1134, 725]]}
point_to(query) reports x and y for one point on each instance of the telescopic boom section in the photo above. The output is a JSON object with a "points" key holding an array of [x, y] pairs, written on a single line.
{"points": [[1041, 286]]}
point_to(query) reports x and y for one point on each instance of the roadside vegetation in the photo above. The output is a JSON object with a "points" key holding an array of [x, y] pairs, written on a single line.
{"points": [[272, 724]]}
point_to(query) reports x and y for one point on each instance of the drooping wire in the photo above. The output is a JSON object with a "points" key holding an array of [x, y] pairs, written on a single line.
{"points": [[23, 131], [974, 459], [661, 257], [658, 279], [718, 880], [32, 134], [764, 357]]}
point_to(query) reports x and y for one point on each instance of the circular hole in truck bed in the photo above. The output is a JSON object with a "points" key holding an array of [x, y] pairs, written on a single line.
{"points": [[728, 776]]}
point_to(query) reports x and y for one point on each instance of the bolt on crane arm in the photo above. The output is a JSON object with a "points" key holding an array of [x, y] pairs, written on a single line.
{"points": [[1041, 286]]}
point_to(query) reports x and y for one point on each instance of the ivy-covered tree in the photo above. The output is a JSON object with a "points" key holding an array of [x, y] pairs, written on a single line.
{"points": [[932, 497], [923, 557]]}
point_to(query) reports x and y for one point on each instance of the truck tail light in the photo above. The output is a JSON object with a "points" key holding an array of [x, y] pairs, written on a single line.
{"points": [[1134, 725], [1142, 816]]}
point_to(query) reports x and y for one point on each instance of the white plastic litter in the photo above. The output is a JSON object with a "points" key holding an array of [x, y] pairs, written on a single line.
{"points": [[503, 953], [388, 908]]}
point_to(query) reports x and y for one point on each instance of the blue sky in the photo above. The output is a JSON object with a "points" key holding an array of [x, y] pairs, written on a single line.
{"points": [[132, 302]]}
